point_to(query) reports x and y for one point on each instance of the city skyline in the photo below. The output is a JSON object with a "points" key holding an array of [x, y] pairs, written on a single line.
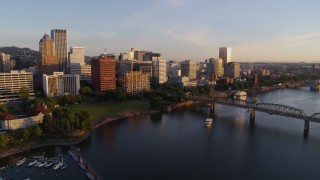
{"points": [[256, 31]]}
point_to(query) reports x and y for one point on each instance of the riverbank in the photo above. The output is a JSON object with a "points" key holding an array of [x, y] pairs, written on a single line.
{"points": [[72, 140], [82, 135]]}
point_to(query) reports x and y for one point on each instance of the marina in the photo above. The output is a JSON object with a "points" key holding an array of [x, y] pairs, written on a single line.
{"points": [[59, 166]]}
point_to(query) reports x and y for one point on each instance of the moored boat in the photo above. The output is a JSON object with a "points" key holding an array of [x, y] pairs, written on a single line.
{"points": [[49, 163], [43, 163], [21, 161], [82, 166], [33, 162], [57, 165], [63, 166], [208, 122], [89, 175]]}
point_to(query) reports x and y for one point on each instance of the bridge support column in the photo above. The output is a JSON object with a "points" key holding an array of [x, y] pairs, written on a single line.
{"points": [[252, 117], [211, 108], [306, 126]]}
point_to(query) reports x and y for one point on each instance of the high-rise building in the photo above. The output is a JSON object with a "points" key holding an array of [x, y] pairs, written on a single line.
{"points": [[48, 62], [84, 71], [172, 67], [225, 54], [159, 71], [139, 55], [135, 81], [11, 83], [189, 69], [215, 67], [5, 63], [232, 70], [61, 84], [76, 55], [103, 73], [61, 47]]}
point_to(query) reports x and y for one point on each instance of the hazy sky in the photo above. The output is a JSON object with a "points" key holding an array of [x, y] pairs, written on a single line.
{"points": [[256, 30]]}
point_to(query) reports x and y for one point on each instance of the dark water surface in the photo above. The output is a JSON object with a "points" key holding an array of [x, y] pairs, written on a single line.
{"points": [[178, 146]]}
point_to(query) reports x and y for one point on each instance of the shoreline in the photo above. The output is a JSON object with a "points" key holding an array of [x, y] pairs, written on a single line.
{"points": [[72, 141]]}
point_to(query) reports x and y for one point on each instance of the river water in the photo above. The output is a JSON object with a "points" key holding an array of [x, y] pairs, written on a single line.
{"points": [[177, 145]]}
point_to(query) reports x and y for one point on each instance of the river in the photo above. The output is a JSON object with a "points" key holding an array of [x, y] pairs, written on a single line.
{"points": [[177, 145]]}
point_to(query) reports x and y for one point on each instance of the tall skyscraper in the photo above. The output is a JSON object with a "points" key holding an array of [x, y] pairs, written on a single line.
{"points": [[232, 70], [48, 62], [189, 69], [225, 54], [103, 75], [61, 47], [76, 55]]}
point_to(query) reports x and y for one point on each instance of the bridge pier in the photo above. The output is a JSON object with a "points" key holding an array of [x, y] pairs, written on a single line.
{"points": [[211, 108], [252, 117], [306, 126]]}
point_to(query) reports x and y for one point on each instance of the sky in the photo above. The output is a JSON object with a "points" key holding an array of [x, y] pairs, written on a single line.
{"points": [[256, 30]]}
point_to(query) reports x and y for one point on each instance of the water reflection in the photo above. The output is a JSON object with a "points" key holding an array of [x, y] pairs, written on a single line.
{"points": [[156, 118]]}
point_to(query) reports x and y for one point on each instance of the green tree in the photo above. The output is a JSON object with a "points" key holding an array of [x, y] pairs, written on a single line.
{"points": [[156, 103], [120, 96], [3, 108], [4, 140], [85, 91], [48, 123], [24, 93], [37, 132], [25, 133]]}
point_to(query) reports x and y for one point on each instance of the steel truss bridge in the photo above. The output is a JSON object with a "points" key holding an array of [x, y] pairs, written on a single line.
{"points": [[270, 108]]}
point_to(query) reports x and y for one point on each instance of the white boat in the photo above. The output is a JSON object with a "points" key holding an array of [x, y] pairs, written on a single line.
{"points": [[63, 166], [48, 164], [241, 95], [208, 121], [31, 163], [21, 161], [42, 164], [57, 165], [89, 175], [82, 166]]}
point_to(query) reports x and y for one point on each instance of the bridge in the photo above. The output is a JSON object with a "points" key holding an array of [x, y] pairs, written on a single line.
{"points": [[270, 108]]}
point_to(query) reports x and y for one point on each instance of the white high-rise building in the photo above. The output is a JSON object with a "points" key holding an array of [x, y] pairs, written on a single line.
{"points": [[225, 54], [61, 84], [159, 71], [11, 83], [76, 55]]}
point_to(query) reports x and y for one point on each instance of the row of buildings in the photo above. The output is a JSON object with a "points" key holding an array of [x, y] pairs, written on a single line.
{"points": [[59, 70]]}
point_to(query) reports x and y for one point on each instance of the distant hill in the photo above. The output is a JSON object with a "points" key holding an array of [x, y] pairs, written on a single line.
{"points": [[16, 51]]}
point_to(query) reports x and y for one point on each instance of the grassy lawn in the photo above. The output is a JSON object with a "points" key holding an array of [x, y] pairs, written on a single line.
{"points": [[99, 111]]}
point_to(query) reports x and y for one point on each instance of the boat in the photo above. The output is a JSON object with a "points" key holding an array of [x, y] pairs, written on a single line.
{"points": [[3, 168], [31, 163], [89, 175], [21, 161], [63, 166], [74, 156], [242, 95], [82, 166], [208, 122], [49, 163], [57, 165], [43, 163]]}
